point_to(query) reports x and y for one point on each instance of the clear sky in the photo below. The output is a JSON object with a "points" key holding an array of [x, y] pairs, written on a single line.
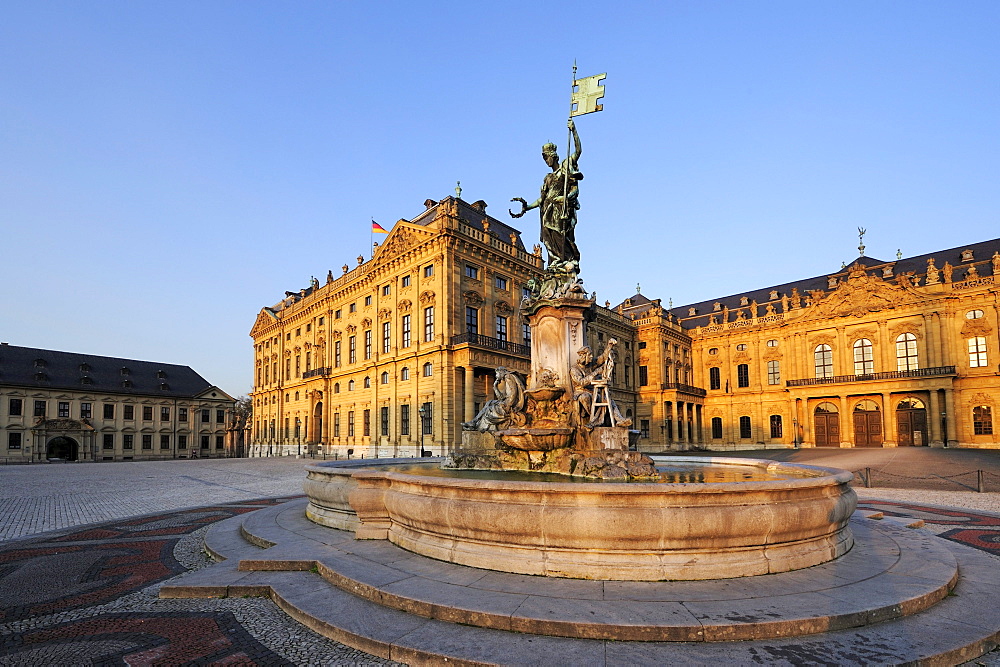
{"points": [[167, 168]]}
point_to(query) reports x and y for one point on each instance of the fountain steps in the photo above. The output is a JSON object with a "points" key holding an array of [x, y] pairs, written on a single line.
{"points": [[886, 601]]}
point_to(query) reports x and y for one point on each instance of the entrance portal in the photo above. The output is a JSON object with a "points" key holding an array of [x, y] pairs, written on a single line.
{"points": [[826, 422], [867, 424], [911, 423], [62, 448]]}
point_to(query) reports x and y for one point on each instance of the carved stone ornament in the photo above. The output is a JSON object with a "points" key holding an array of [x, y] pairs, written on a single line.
{"points": [[981, 399], [288, 353], [822, 339], [473, 298], [398, 242], [898, 330], [427, 297], [502, 308], [351, 329], [384, 314], [870, 334], [773, 295], [967, 255], [772, 354], [860, 294], [933, 274], [405, 305], [977, 327], [365, 323], [336, 334], [741, 357]]}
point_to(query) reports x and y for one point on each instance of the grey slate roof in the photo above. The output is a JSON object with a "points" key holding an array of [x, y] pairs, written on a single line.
{"points": [[474, 218], [67, 370]]}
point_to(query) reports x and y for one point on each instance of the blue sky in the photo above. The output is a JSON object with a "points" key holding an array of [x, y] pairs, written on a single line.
{"points": [[168, 168]]}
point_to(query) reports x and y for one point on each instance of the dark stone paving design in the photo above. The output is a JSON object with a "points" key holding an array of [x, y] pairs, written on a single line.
{"points": [[77, 569], [974, 529]]}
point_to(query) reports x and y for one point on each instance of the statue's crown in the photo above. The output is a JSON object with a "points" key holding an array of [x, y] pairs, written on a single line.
{"points": [[549, 148]]}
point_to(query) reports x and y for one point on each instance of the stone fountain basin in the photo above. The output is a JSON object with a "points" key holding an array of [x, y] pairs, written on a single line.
{"points": [[613, 531], [537, 439]]}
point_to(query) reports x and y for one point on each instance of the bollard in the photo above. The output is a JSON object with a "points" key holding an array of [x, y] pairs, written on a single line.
{"points": [[980, 485], [868, 478]]}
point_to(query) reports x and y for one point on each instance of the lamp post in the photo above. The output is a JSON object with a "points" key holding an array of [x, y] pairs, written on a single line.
{"points": [[795, 432], [298, 437], [422, 412]]}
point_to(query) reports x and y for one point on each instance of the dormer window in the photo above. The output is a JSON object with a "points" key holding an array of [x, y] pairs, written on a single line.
{"points": [[125, 370], [84, 368], [41, 377], [161, 374], [967, 255], [40, 363], [126, 383], [86, 380], [164, 386]]}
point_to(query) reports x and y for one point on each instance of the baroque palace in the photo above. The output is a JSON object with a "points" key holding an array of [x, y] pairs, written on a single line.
{"points": [[390, 357], [83, 407]]}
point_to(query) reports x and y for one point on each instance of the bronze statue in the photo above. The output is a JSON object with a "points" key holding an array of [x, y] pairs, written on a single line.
{"points": [[557, 205]]}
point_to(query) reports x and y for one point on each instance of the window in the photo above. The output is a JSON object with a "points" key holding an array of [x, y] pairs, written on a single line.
{"points": [[471, 320], [15, 407], [428, 271], [385, 377], [428, 370], [350, 386], [368, 344], [404, 420], [973, 314], [13, 440], [472, 271], [743, 375], [108, 441], [775, 427], [164, 442], [383, 413], [298, 332], [336, 354], [182, 414], [714, 378], [308, 361], [526, 333], [906, 352], [386, 330], [204, 442], [644, 428], [182, 442], [713, 350], [337, 314], [164, 414], [298, 365], [746, 431], [501, 282], [219, 442], [426, 418], [368, 300], [352, 349], [39, 408], [336, 387], [368, 382], [127, 441], [406, 281], [977, 352], [525, 293], [716, 428], [128, 412], [982, 420], [429, 324], [741, 347], [864, 362], [322, 320], [386, 290], [501, 328], [86, 411], [353, 308], [772, 343], [643, 376], [109, 410], [366, 423], [63, 409], [220, 416], [774, 372], [336, 424], [147, 442], [405, 331], [823, 360], [404, 374]]}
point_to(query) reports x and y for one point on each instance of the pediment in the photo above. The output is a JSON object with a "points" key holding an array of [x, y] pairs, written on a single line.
{"points": [[265, 318], [860, 294], [402, 237]]}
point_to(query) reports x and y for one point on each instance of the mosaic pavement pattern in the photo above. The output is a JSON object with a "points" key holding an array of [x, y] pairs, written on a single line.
{"points": [[89, 595]]}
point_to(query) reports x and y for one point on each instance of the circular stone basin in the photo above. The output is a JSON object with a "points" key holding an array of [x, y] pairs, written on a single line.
{"points": [[795, 517]]}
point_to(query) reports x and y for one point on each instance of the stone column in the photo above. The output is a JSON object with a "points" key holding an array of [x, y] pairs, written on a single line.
{"points": [[679, 411], [700, 424], [846, 423], [470, 392], [934, 419], [952, 417], [889, 437]]}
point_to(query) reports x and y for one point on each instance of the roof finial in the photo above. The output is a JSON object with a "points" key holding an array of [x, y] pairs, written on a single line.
{"points": [[899, 254], [637, 288], [671, 302], [861, 241], [458, 189]]}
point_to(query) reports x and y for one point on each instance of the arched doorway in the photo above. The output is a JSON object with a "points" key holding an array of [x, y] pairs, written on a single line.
{"points": [[62, 448], [826, 425], [317, 432], [911, 422], [867, 424]]}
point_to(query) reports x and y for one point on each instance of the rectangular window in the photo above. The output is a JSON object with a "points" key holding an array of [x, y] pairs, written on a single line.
{"points": [[501, 282], [714, 378], [823, 361], [406, 281], [182, 414], [322, 320], [774, 372], [716, 428], [353, 308], [86, 411], [745, 429], [15, 407], [428, 369], [109, 410], [982, 420], [336, 424], [147, 413], [336, 354], [128, 412], [644, 428], [204, 441], [63, 409], [337, 314], [775, 427], [147, 442], [219, 442], [429, 324], [501, 328], [350, 424], [182, 442], [298, 365], [386, 290], [368, 301], [526, 333], [164, 442], [352, 349], [643, 376], [743, 375], [977, 352], [206, 416], [14, 440], [220, 416], [428, 271], [127, 441], [368, 344], [386, 341], [426, 419], [164, 414], [471, 320], [366, 423], [472, 271], [405, 331], [404, 420], [108, 441], [309, 362], [384, 420]]}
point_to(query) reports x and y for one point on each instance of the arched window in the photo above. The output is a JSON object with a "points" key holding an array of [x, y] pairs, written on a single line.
{"points": [[350, 386], [368, 382], [404, 374], [864, 362], [977, 352], [866, 406], [714, 378], [823, 358], [336, 388], [826, 408], [296, 396], [746, 431], [716, 428], [910, 404], [428, 369], [982, 420], [385, 378], [906, 352]]}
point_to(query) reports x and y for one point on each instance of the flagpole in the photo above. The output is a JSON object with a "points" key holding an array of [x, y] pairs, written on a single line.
{"points": [[569, 139]]}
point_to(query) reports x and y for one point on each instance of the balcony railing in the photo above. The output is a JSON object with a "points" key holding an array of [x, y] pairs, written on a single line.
{"points": [[887, 375], [685, 389], [316, 372], [491, 343]]}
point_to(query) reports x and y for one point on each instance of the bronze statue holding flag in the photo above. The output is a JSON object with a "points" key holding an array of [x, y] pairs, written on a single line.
{"points": [[558, 202]]}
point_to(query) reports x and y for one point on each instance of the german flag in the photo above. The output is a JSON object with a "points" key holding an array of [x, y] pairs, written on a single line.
{"points": [[377, 228]]}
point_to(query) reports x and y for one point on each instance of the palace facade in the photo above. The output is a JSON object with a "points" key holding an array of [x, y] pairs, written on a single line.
{"points": [[82, 407], [391, 356]]}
